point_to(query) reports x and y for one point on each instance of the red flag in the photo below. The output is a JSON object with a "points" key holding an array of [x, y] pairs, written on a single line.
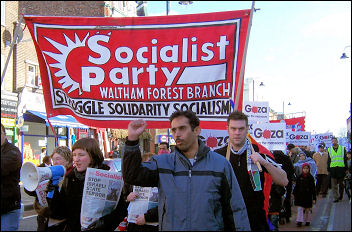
{"points": [[107, 71], [294, 124], [268, 179]]}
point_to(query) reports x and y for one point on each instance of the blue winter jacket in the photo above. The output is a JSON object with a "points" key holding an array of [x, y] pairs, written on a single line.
{"points": [[205, 196]]}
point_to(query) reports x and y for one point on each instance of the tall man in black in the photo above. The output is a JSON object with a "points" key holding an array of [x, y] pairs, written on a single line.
{"points": [[243, 160], [11, 163]]}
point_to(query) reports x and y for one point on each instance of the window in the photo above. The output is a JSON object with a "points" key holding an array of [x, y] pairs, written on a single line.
{"points": [[32, 75]]}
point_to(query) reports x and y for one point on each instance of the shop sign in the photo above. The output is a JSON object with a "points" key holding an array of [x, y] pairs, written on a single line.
{"points": [[24, 128], [163, 138], [8, 122], [8, 106]]}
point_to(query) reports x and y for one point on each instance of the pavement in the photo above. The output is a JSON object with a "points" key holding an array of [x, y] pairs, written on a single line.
{"points": [[327, 216], [26, 200]]}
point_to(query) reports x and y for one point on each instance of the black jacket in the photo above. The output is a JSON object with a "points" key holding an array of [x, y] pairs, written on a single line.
{"points": [[304, 191], [276, 195], [254, 200], [11, 163], [66, 204]]}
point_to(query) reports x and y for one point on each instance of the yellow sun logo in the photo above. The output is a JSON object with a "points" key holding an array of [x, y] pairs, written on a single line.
{"points": [[61, 58]]}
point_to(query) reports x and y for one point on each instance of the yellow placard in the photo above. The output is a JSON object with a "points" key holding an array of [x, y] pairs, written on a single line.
{"points": [[8, 122]]}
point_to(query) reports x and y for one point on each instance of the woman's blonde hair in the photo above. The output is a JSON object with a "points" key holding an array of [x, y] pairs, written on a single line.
{"points": [[65, 153]]}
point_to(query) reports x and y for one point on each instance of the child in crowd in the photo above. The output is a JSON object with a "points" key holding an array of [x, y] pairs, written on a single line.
{"points": [[304, 195]]}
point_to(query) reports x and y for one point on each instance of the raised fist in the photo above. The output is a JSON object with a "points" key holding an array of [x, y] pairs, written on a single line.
{"points": [[135, 129]]}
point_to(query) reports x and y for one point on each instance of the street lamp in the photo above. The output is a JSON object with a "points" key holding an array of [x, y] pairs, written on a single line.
{"points": [[344, 56], [167, 7], [283, 109], [183, 3], [260, 85]]}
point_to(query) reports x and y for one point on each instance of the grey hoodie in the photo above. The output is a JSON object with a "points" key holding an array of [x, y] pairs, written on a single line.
{"points": [[205, 196]]}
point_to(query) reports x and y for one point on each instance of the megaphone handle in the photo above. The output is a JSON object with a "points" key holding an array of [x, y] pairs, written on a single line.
{"points": [[55, 181], [50, 194]]}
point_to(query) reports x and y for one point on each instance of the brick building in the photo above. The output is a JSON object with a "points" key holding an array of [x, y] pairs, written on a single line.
{"points": [[22, 93]]}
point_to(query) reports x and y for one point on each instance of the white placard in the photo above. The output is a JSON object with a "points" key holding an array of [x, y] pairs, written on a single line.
{"points": [[257, 111], [322, 138], [298, 138], [214, 139], [270, 135]]}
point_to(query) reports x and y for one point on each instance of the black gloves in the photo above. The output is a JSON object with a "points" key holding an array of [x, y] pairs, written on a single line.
{"points": [[51, 187], [97, 225]]}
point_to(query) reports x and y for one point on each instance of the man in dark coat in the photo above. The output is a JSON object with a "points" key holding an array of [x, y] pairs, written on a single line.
{"points": [[243, 160], [11, 162], [287, 166]]}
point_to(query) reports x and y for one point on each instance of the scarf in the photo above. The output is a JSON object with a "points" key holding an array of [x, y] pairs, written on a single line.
{"points": [[79, 175], [82, 175], [252, 168]]}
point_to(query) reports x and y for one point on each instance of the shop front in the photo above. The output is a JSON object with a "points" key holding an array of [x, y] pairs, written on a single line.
{"points": [[36, 133]]}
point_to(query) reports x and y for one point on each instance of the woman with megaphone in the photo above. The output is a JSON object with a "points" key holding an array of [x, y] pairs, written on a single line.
{"points": [[66, 203], [61, 155]]}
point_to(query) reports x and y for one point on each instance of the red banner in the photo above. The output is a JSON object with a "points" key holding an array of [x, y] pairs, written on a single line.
{"points": [[108, 71], [294, 124]]}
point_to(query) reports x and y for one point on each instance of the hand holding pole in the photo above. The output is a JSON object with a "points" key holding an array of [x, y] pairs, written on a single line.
{"points": [[257, 162]]}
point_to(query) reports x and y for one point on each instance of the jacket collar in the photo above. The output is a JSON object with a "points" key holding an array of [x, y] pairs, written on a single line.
{"points": [[202, 150]]}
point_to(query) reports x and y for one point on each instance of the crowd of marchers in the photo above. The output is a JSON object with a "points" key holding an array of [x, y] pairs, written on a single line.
{"points": [[197, 188]]}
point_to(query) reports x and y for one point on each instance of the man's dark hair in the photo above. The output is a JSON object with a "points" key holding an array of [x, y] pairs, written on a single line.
{"points": [[237, 115], [290, 146], [165, 143], [334, 138], [192, 117]]}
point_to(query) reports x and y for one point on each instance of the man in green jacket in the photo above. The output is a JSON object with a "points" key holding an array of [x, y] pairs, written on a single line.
{"points": [[337, 167]]}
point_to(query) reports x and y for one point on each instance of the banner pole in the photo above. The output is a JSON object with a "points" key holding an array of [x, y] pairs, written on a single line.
{"points": [[52, 129], [14, 41], [240, 81]]}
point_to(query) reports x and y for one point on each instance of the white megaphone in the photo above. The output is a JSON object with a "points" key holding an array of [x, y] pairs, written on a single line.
{"points": [[31, 175]]}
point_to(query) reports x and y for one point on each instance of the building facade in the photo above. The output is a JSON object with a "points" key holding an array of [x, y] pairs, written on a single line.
{"points": [[22, 101]]}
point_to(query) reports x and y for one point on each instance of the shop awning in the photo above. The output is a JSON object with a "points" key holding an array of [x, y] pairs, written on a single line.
{"points": [[57, 121]]}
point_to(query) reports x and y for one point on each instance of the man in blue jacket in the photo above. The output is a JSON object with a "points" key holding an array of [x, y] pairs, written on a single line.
{"points": [[198, 189]]}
